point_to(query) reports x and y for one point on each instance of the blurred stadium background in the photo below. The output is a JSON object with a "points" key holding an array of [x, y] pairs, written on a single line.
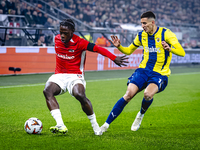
{"points": [[34, 23], [27, 30]]}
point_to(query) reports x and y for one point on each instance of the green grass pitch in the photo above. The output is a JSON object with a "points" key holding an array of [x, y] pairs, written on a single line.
{"points": [[171, 123]]}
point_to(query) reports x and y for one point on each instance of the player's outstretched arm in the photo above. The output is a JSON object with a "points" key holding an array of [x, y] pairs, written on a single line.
{"points": [[119, 60], [126, 50]]}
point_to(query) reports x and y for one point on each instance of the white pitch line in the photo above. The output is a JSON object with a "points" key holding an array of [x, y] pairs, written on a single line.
{"points": [[185, 73], [39, 84], [25, 85], [14, 86], [104, 79]]}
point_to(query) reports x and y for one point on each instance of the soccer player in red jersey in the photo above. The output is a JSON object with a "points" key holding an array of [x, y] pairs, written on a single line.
{"points": [[69, 74]]}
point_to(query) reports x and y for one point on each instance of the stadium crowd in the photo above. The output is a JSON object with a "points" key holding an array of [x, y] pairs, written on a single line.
{"points": [[108, 13], [98, 12], [104, 13], [101, 11]]}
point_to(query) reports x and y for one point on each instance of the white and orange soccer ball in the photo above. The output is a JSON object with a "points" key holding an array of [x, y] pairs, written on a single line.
{"points": [[33, 126]]}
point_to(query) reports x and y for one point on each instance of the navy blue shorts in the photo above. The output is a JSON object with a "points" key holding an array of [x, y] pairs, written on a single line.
{"points": [[142, 78]]}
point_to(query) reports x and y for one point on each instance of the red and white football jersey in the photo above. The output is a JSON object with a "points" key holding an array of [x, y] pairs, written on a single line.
{"points": [[70, 57]]}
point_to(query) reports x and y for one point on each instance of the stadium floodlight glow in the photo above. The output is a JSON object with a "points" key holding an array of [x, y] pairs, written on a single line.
{"points": [[14, 69]]}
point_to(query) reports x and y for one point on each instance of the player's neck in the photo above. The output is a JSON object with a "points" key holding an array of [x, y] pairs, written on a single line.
{"points": [[154, 30]]}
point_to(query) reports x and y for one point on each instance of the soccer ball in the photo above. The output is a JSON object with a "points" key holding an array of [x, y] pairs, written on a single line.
{"points": [[33, 126]]}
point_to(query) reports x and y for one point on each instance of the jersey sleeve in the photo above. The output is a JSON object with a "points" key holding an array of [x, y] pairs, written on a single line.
{"points": [[94, 48], [104, 52], [176, 47], [132, 47], [136, 41], [83, 44], [170, 37], [127, 50]]}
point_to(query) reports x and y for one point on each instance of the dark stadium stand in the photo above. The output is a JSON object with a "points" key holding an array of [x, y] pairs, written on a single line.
{"points": [[104, 13], [109, 15]]}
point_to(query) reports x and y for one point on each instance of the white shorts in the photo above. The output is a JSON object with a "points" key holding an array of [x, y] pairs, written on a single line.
{"points": [[67, 81]]}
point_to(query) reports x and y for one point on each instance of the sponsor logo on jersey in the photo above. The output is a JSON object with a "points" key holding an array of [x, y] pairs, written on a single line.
{"points": [[65, 56], [152, 49], [71, 50]]}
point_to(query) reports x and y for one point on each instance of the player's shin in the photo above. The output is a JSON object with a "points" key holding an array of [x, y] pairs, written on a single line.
{"points": [[145, 105], [117, 109]]}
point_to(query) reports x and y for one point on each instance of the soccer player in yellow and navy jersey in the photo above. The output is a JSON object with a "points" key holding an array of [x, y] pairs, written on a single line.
{"points": [[152, 75]]}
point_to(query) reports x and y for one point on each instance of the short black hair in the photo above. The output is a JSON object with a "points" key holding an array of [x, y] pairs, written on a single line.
{"points": [[148, 14], [69, 23]]}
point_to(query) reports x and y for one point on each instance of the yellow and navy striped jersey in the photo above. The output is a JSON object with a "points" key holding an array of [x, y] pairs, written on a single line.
{"points": [[155, 57]]}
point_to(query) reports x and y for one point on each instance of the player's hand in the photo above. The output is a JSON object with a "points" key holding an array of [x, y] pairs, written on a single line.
{"points": [[115, 41], [121, 60], [166, 46]]}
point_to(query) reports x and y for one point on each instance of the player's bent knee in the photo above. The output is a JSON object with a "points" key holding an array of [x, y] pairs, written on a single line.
{"points": [[147, 96], [47, 93], [128, 97]]}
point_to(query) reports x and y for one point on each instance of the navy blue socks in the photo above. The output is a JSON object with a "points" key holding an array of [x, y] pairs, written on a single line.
{"points": [[117, 109], [119, 106], [145, 105]]}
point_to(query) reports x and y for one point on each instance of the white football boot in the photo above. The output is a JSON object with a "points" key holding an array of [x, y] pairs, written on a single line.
{"points": [[137, 122], [104, 127]]}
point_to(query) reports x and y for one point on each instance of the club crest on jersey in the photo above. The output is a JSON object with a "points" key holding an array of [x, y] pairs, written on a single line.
{"points": [[79, 76], [71, 50], [158, 39]]}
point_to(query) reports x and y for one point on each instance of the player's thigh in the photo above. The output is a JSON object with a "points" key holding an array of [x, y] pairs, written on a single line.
{"points": [[160, 80], [76, 86], [138, 78], [56, 81], [131, 91], [51, 88], [78, 91]]}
